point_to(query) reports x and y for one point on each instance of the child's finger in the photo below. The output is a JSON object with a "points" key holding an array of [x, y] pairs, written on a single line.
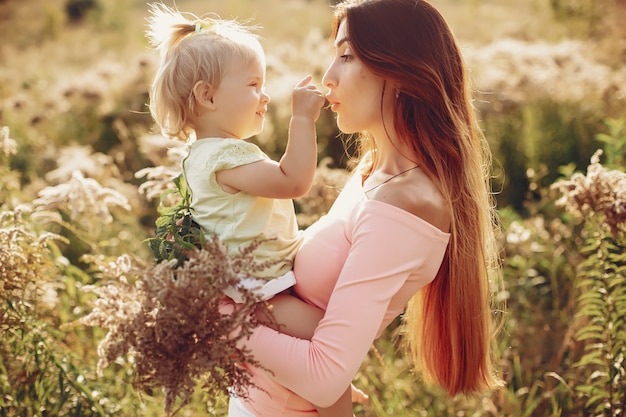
{"points": [[306, 80]]}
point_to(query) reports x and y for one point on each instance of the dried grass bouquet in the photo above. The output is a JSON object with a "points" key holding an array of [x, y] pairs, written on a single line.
{"points": [[169, 315]]}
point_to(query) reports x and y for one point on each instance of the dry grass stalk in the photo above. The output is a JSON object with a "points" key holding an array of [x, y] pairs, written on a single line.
{"points": [[26, 265]]}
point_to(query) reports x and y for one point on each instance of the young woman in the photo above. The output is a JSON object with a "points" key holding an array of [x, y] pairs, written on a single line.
{"points": [[412, 231], [210, 88]]}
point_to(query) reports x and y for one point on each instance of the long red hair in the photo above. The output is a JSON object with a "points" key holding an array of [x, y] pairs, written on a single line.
{"points": [[449, 323]]}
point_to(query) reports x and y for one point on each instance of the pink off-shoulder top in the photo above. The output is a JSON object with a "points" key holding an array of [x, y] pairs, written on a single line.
{"points": [[362, 262]]}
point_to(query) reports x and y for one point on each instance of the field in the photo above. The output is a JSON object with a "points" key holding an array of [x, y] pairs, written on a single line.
{"points": [[81, 171]]}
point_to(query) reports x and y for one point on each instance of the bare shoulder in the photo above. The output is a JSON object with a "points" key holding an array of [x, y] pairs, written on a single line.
{"points": [[418, 195]]}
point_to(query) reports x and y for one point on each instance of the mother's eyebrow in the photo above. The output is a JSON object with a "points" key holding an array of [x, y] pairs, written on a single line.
{"points": [[341, 42]]}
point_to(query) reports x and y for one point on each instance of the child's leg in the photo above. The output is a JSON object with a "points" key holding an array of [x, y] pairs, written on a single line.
{"points": [[342, 408], [296, 318], [292, 316]]}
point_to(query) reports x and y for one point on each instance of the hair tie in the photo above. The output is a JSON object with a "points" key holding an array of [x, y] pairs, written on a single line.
{"points": [[199, 29]]}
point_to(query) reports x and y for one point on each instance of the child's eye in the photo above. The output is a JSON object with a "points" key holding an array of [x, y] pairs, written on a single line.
{"points": [[346, 57]]}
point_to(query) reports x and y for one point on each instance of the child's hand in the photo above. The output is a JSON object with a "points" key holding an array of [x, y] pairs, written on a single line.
{"points": [[358, 396], [307, 100]]}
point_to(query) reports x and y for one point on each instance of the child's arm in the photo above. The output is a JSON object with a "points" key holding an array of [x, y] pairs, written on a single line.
{"points": [[293, 175], [292, 316]]}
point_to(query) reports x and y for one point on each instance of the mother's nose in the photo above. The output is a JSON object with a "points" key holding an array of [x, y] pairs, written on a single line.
{"points": [[329, 80]]}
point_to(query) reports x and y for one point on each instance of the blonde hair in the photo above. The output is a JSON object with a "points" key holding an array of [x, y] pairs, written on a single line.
{"points": [[449, 323], [191, 49]]}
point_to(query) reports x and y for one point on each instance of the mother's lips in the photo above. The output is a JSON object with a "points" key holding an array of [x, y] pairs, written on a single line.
{"points": [[333, 103]]}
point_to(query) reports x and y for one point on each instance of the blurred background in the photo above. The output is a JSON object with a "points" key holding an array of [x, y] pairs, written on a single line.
{"points": [[74, 75]]}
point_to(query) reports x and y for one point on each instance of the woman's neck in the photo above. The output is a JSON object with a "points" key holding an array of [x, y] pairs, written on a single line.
{"points": [[389, 158]]}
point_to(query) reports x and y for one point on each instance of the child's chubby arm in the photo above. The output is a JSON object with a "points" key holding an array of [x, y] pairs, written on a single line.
{"points": [[292, 176]]}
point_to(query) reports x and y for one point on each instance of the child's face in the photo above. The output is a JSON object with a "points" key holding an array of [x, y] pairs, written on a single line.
{"points": [[240, 99]]}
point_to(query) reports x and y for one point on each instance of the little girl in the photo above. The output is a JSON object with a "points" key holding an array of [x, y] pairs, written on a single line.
{"points": [[209, 89]]}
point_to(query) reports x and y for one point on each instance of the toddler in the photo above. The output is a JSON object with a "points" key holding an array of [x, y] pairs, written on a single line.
{"points": [[209, 90]]}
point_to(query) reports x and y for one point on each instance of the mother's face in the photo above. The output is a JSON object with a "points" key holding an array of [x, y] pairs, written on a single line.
{"points": [[354, 92]]}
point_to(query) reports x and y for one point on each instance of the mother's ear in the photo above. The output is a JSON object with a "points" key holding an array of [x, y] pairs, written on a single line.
{"points": [[203, 92]]}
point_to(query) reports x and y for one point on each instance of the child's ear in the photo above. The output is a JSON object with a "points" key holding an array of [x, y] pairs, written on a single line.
{"points": [[203, 92]]}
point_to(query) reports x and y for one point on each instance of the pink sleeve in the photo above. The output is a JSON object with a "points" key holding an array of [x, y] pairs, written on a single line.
{"points": [[386, 247]]}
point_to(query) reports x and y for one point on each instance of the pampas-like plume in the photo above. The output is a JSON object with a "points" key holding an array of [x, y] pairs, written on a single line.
{"points": [[83, 197], [7, 145], [172, 321], [601, 191]]}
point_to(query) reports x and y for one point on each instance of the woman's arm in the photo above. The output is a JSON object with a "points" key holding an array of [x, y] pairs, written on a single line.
{"points": [[387, 247], [290, 315]]}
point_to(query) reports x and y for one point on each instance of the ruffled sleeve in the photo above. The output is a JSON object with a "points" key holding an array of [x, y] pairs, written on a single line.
{"points": [[231, 153]]}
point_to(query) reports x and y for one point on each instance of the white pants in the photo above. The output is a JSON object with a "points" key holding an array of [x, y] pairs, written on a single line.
{"points": [[237, 409], [261, 288]]}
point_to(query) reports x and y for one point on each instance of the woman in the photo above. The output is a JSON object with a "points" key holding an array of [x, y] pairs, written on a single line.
{"points": [[414, 226]]}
